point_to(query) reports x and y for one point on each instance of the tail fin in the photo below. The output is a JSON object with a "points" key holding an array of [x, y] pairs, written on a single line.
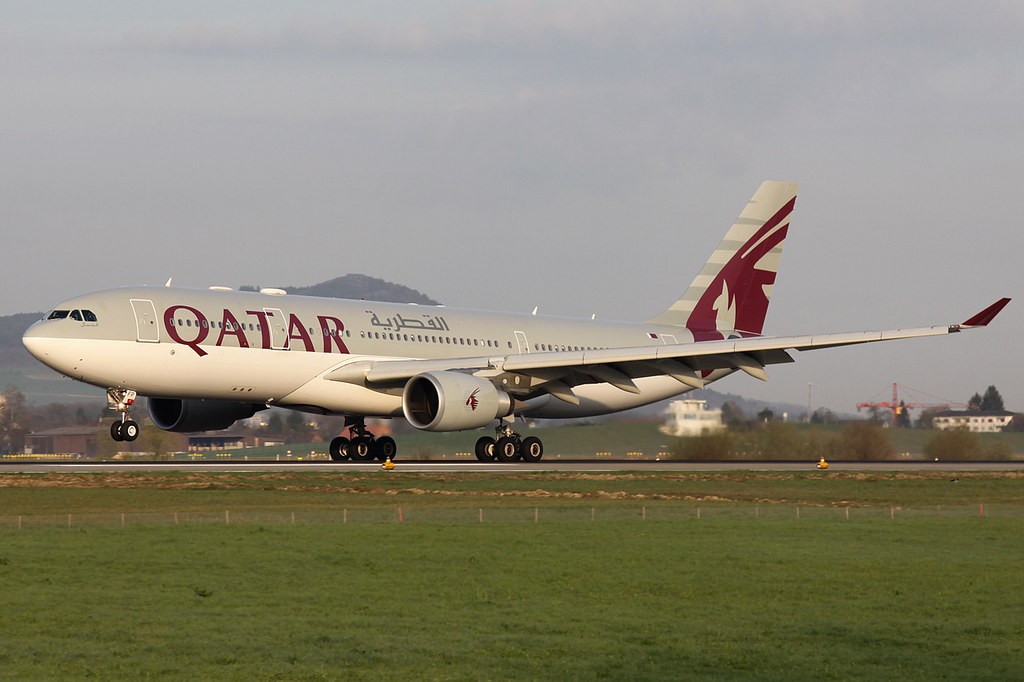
{"points": [[732, 290]]}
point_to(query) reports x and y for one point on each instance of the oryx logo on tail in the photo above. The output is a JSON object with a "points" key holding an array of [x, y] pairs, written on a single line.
{"points": [[732, 290]]}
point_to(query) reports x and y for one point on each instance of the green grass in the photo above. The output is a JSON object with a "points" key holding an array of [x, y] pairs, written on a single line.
{"points": [[924, 596], [732, 599]]}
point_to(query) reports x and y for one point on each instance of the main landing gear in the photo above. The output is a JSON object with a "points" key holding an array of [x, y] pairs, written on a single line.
{"points": [[123, 429], [362, 446], [509, 447]]}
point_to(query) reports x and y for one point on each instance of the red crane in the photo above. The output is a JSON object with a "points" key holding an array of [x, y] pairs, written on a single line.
{"points": [[896, 407]]}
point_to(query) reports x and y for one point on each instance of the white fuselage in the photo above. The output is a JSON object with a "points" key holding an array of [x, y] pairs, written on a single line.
{"points": [[291, 350]]}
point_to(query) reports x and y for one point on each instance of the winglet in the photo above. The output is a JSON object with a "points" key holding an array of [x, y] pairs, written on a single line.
{"points": [[986, 315]]}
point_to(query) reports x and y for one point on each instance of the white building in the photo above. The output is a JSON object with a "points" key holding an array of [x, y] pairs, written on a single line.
{"points": [[978, 422], [691, 418]]}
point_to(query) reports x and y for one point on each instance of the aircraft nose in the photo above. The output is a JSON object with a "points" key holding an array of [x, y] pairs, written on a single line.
{"points": [[37, 343]]}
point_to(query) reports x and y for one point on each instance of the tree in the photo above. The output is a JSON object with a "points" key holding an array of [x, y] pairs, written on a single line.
{"points": [[974, 404], [14, 421], [732, 415], [903, 416], [863, 441], [953, 444], [823, 415], [992, 401]]}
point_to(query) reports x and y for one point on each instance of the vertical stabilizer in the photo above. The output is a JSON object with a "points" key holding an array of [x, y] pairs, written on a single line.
{"points": [[732, 290]]}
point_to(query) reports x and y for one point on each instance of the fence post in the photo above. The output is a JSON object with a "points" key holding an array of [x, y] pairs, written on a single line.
{"points": [[69, 520], [227, 517], [481, 514], [981, 510], [536, 514]]}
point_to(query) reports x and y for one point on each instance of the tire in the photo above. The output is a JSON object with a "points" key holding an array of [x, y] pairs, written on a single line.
{"points": [[361, 449], [385, 448], [115, 431], [532, 449], [339, 449], [129, 430], [507, 449], [485, 449]]}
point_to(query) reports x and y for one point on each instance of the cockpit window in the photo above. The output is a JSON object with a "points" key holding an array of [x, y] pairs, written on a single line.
{"points": [[86, 316]]}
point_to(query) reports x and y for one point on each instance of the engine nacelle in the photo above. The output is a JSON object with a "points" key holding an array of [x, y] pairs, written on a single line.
{"points": [[452, 401], [188, 416]]}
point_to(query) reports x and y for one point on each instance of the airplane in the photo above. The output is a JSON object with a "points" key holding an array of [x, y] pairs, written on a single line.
{"points": [[209, 357]]}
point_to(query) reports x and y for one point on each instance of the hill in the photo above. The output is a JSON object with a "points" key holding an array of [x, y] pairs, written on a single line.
{"points": [[355, 286]]}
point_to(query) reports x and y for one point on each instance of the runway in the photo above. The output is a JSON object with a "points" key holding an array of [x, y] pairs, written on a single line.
{"points": [[435, 467]]}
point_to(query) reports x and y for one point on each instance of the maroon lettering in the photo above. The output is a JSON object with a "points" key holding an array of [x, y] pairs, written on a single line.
{"points": [[296, 330], [261, 315], [231, 327], [332, 328], [174, 331]]}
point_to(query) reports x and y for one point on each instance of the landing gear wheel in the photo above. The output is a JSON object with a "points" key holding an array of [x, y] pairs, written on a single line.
{"points": [[115, 431], [361, 449], [385, 448], [532, 449], [339, 449], [485, 449], [507, 449], [129, 430]]}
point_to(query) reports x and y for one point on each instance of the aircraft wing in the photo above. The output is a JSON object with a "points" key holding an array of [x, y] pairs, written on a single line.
{"points": [[556, 372]]}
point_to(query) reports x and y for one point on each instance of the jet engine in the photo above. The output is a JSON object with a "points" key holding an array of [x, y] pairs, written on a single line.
{"points": [[188, 416], [452, 401]]}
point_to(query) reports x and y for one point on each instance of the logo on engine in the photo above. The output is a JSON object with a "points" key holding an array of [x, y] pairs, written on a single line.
{"points": [[471, 401]]}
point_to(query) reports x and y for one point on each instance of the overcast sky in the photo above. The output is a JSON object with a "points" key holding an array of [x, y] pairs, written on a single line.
{"points": [[578, 155]]}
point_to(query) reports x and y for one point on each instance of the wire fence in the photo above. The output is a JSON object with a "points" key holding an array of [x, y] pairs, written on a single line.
{"points": [[563, 514]]}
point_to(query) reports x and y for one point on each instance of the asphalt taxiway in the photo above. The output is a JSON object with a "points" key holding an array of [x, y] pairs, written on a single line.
{"points": [[555, 465]]}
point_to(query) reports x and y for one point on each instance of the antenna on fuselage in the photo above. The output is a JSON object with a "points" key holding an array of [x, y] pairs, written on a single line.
{"points": [[168, 282]]}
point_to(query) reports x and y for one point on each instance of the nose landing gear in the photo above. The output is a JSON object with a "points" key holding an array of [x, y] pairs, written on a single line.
{"points": [[124, 429]]}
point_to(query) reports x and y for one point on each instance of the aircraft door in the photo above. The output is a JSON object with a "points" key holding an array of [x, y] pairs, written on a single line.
{"points": [[145, 320], [524, 345], [278, 328]]}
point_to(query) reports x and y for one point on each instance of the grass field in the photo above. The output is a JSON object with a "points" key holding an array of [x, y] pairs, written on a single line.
{"points": [[727, 596]]}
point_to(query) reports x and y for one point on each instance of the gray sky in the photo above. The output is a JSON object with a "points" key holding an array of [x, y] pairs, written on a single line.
{"points": [[578, 155]]}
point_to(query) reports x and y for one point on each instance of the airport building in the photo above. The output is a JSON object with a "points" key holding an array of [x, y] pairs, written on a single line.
{"points": [[978, 422], [691, 418]]}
